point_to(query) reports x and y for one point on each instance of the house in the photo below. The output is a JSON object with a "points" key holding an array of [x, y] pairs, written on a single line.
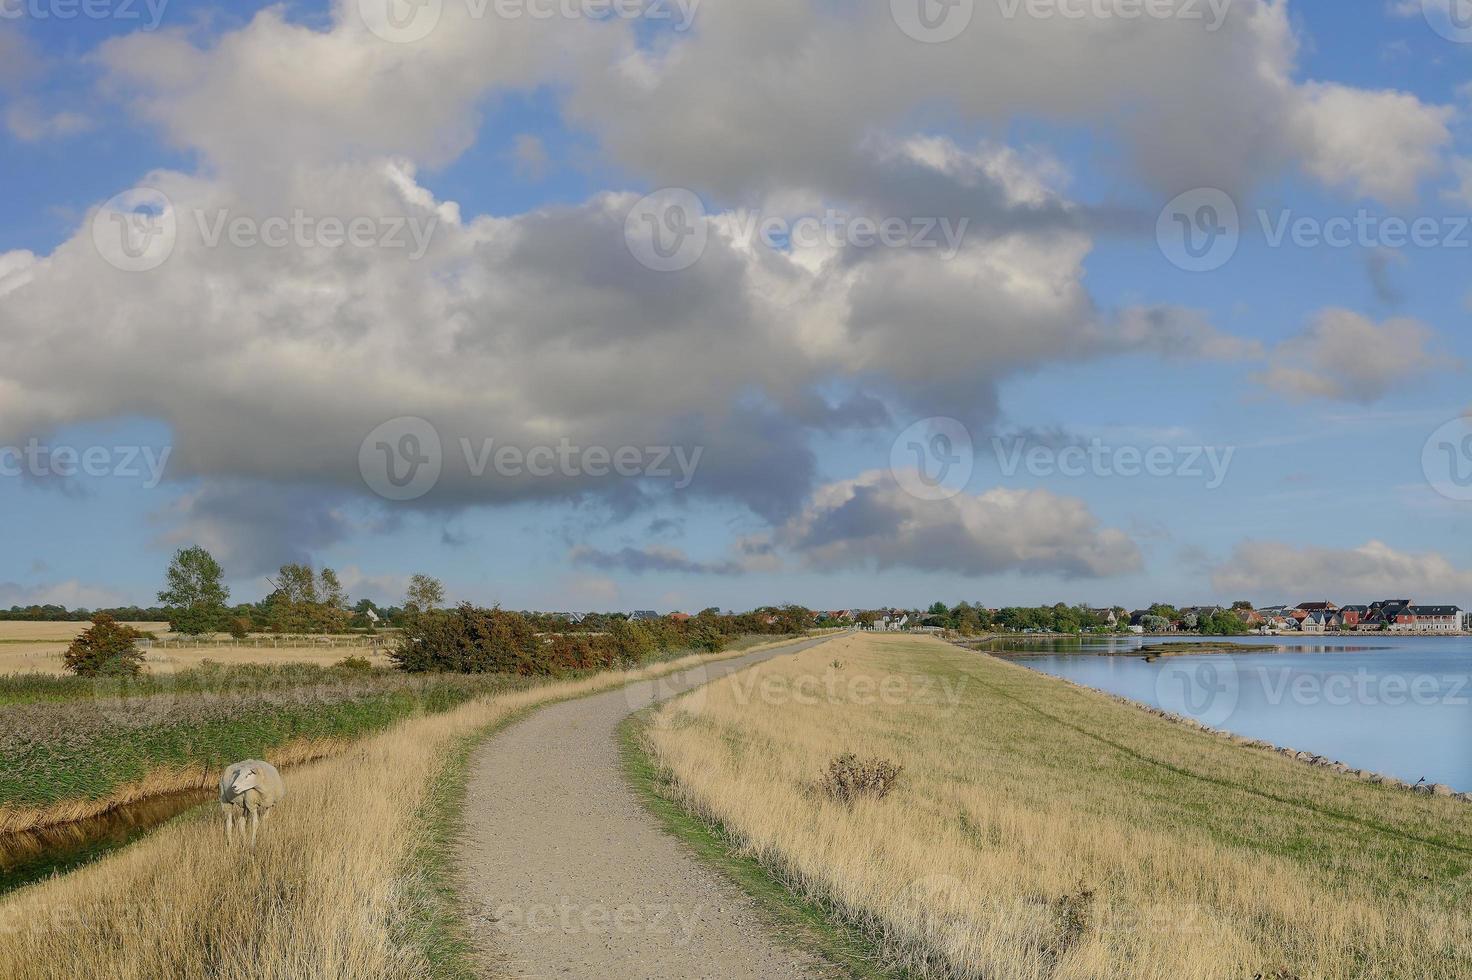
{"points": [[1429, 619], [1325, 606], [894, 621], [643, 615], [1251, 617], [1105, 616], [1353, 616], [680, 617], [1320, 621]]}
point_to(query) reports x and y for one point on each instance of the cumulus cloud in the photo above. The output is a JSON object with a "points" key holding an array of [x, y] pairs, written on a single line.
{"points": [[1280, 572], [1345, 356], [1377, 144], [871, 522]]}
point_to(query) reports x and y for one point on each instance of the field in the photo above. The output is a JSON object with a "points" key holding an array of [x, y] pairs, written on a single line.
{"points": [[1039, 830], [28, 647], [349, 883]]}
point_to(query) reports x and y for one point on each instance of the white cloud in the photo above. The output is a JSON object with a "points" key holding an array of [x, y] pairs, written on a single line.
{"points": [[1345, 356], [71, 593], [1282, 572], [871, 522], [1378, 144]]}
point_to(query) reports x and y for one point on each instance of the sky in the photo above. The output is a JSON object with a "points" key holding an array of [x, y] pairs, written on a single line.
{"points": [[668, 304]]}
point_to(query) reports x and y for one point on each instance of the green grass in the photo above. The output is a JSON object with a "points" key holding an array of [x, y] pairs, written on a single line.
{"points": [[803, 924]]}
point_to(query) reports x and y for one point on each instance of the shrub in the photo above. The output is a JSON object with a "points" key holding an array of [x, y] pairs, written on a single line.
{"points": [[850, 777], [107, 649], [358, 664], [631, 640], [467, 640], [238, 628]]}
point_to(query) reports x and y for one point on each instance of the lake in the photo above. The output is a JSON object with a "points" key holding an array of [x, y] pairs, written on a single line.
{"points": [[1401, 706]]}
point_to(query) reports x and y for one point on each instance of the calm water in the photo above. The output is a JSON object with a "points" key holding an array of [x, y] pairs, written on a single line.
{"points": [[38, 854], [1397, 706]]}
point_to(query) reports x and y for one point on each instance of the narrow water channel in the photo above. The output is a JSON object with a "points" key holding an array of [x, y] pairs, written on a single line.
{"points": [[37, 854]]}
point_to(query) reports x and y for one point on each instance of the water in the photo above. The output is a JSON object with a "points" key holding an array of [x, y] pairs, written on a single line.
{"points": [[1401, 706], [37, 854]]}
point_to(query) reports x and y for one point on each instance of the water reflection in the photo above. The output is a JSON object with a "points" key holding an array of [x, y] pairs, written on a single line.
{"points": [[1396, 705], [32, 855]]}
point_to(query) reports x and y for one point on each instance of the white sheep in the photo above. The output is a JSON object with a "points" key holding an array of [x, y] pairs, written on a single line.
{"points": [[250, 788]]}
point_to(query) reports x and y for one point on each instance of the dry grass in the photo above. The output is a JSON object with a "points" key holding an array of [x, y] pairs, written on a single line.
{"points": [[27, 631], [1043, 831], [329, 893]]}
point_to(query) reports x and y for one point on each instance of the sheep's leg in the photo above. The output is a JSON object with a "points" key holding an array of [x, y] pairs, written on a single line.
{"points": [[255, 823], [229, 828]]}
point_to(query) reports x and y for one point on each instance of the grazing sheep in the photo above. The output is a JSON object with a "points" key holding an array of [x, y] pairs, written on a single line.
{"points": [[250, 788]]}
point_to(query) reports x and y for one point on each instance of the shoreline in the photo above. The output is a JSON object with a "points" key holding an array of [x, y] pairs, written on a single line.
{"points": [[1307, 758]]}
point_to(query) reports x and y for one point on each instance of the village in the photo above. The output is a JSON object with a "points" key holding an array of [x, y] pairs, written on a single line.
{"points": [[1402, 616]]}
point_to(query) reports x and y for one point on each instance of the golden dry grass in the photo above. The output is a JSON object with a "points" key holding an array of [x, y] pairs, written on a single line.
{"points": [[329, 892], [38, 648], [1043, 831]]}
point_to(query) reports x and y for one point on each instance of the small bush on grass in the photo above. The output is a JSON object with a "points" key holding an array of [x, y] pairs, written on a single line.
{"points": [[357, 664], [108, 649], [850, 777]]}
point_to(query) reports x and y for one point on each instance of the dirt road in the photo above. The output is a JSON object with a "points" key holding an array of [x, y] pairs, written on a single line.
{"points": [[566, 874]]}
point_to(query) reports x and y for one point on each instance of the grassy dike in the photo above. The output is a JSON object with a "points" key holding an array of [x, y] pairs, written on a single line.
{"points": [[1042, 830], [353, 877], [805, 923]]}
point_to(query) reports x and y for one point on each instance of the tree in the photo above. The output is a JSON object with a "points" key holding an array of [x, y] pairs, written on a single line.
{"points": [[333, 614], [292, 608], [107, 649], [426, 594], [1241, 604], [195, 596]]}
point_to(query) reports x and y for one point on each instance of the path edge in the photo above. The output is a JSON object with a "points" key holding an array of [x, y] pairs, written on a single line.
{"points": [[793, 920]]}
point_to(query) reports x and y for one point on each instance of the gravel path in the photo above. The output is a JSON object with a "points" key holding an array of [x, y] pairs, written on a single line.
{"points": [[567, 875]]}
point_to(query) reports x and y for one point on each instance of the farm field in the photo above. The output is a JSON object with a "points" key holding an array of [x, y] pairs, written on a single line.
{"points": [[1041, 830], [32, 647]]}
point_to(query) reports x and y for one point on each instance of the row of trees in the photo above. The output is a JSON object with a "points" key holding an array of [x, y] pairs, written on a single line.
{"points": [[302, 600]]}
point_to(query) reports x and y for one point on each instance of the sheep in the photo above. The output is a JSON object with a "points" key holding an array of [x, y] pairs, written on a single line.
{"points": [[250, 788]]}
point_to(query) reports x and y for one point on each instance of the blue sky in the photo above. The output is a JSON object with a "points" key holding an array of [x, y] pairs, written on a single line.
{"points": [[1061, 321]]}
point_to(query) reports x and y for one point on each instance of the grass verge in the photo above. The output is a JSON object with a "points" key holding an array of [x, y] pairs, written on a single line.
{"points": [[1041, 831], [807, 924], [352, 879]]}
